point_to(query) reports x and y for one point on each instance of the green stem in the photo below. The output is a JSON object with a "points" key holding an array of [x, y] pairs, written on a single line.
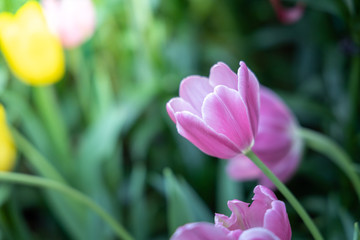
{"points": [[49, 110], [334, 152], [37, 161], [288, 195], [27, 180]]}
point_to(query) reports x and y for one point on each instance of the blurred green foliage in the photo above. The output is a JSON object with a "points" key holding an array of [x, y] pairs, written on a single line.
{"points": [[105, 129]]}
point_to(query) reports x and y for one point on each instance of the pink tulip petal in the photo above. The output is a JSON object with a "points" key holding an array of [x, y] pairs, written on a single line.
{"points": [[248, 87], [226, 113], [263, 197], [221, 74], [202, 136], [258, 233], [194, 89], [276, 220], [72, 21], [271, 103], [178, 105], [242, 168], [272, 146], [200, 231], [237, 220]]}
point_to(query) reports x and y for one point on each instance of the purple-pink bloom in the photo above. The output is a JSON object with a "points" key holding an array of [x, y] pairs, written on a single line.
{"points": [[219, 114], [288, 15], [264, 219], [73, 21], [277, 143]]}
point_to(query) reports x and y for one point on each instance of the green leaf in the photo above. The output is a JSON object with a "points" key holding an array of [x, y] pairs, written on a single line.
{"points": [[179, 212], [227, 189], [138, 206], [356, 231], [4, 193], [198, 207]]}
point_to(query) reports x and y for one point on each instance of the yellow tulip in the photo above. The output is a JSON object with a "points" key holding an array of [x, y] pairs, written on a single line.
{"points": [[32, 52], [7, 147]]}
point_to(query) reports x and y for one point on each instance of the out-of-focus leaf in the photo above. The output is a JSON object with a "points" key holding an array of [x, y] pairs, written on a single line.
{"points": [[97, 146], [227, 189], [179, 211], [138, 206], [4, 194], [356, 231], [143, 136], [274, 36], [350, 5], [200, 210]]}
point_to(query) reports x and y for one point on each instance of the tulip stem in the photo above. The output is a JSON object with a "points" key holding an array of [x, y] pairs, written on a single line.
{"points": [[288, 195], [18, 178], [334, 152]]}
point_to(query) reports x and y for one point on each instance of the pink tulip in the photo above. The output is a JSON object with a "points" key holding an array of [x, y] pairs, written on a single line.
{"points": [[219, 114], [72, 20], [264, 219], [288, 15], [277, 143]]}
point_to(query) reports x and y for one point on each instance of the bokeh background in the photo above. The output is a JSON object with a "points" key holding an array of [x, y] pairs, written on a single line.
{"points": [[105, 128]]}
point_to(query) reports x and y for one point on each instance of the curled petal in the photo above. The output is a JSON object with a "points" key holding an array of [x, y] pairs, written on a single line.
{"points": [[258, 233], [248, 87], [194, 89], [242, 168], [226, 113], [200, 231], [237, 220], [221, 74], [178, 105], [194, 129], [276, 220]]}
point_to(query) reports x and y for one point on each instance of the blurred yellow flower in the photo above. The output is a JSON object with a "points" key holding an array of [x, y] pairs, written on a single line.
{"points": [[7, 147], [33, 53]]}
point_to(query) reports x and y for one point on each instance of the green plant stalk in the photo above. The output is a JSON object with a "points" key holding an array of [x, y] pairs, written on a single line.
{"points": [[49, 110], [44, 168], [288, 195], [37, 161], [333, 151], [17, 178]]}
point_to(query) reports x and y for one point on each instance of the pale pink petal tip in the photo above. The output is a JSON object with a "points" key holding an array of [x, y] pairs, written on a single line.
{"points": [[258, 233], [199, 231]]}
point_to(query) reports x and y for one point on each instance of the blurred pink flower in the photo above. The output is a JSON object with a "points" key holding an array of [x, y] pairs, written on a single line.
{"points": [[219, 114], [288, 15], [264, 219], [277, 143], [72, 20]]}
